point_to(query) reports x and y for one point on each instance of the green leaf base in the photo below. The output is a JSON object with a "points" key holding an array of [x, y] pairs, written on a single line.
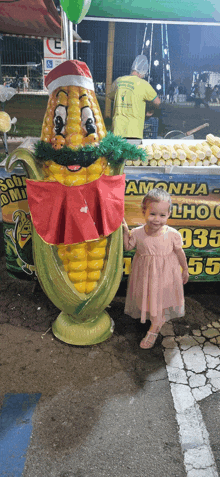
{"points": [[83, 334]]}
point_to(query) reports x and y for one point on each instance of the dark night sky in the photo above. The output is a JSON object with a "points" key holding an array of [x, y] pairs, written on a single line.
{"points": [[192, 48]]}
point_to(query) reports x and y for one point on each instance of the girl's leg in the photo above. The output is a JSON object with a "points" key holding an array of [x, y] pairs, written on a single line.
{"points": [[149, 340]]}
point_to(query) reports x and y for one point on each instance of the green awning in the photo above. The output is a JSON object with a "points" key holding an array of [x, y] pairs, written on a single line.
{"points": [[183, 11]]}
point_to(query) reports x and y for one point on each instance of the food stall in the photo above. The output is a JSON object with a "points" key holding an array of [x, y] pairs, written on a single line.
{"points": [[189, 170]]}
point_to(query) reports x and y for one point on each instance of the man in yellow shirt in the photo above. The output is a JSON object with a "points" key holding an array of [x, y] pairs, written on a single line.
{"points": [[130, 94]]}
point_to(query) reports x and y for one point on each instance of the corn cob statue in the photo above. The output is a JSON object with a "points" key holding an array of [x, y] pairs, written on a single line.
{"points": [[75, 191]]}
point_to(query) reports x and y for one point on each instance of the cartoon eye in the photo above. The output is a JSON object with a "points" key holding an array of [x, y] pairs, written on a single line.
{"points": [[59, 119], [88, 121]]}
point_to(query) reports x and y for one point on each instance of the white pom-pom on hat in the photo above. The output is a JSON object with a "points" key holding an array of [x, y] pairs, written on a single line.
{"points": [[69, 73]]}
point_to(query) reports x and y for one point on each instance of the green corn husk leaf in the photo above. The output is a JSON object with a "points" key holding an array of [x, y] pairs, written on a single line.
{"points": [[23, 156], [57, 286]]}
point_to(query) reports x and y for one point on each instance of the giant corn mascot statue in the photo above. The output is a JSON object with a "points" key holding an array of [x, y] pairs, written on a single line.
{"points": [[75, 191]]}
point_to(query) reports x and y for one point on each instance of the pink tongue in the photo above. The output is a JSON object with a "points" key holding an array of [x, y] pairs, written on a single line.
{"points": [[74, 168]]}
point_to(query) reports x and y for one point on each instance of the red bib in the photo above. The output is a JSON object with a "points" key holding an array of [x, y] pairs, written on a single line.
{"points": [[62, 214]]}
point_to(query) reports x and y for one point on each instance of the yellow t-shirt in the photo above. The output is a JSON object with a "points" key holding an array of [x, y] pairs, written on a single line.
{"points": [[130, 93]]}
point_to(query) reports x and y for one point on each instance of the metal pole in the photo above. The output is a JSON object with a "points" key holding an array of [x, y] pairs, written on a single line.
{"points": [[168, 53], [163, 60], [70, 39], [151, 46], [145, 32], [65, 33], [76, 44]]}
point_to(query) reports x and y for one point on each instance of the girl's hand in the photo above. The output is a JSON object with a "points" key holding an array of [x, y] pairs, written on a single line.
{"points": [[124, 224], [185, 275]]}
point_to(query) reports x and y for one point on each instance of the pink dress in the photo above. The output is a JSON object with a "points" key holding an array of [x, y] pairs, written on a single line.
{"points": [[155, 287]]}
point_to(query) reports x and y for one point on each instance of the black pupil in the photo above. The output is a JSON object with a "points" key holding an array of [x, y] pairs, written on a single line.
{"points": [[89, 126], [58, 124]]}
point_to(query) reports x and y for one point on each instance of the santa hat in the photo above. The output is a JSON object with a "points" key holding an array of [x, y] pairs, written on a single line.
{"points": [[69, 73]]}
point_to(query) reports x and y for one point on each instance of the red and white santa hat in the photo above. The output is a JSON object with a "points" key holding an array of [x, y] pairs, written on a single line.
{"points": [[69, 73]]}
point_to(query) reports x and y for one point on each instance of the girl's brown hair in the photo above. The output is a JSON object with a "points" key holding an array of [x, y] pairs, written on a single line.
{"points": [[156, 195]]}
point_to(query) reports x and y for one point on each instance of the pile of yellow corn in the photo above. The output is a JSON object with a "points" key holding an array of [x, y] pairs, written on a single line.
{"points": [[206, 153], [83, 262]]}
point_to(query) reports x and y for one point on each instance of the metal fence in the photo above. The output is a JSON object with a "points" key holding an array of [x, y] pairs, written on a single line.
{"points": [[22, 56]]}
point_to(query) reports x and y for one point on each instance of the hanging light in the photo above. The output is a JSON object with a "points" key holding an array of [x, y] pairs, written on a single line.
{"points": [[156, 63], [165, 51], [147, 43], [167, 67], [158, 87]]}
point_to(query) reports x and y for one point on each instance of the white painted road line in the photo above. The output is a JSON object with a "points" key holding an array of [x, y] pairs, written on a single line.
{"points": [[193, 368]]}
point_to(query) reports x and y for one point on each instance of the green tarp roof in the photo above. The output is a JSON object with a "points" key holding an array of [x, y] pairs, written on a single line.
{"points": [[196, 11]]}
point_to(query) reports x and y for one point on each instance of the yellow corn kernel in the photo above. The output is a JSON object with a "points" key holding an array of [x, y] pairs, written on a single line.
{"points": [[93, 177], [210, 139], [62, 98], [95, 264], [73, 128], [82, 91], [153, 162], [59, 178], [56, 168], [107, 170], [74, 180], [180, 153], [216, 151], [74, 140], [150, 153], [213, 159], [192, 163], [77, 276], [94, 276], [66, 265], [200, 153], [76, 254], [217, 141], [97, 253], [80, 287], [77, 265], [101, 133], [73, 91], [137, 162], [90, 286], [171, 151], [205, 147], [165, 154], [199, 163], [62, 253], [176, 162], [51, 179], [102, 242], [95, 168]]}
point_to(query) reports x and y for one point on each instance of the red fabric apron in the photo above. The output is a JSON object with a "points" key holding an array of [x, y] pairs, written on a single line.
{"points": [[62, 214]]}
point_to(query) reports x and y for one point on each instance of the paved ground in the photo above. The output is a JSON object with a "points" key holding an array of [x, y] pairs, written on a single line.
{"points": [[112, 409]]}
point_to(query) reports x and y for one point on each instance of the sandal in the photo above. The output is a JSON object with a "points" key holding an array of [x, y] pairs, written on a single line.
{"points": [[149, 340]]}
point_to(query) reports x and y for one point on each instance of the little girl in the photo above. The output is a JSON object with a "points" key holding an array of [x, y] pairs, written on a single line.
{"points": [[155, 285]]}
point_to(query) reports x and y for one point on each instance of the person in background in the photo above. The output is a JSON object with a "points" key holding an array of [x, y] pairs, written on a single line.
{"points": [[130, 94], [25, 83]]}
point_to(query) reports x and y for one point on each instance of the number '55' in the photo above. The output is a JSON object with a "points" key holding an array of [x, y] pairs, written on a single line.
{"points": [[195, 265]]}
